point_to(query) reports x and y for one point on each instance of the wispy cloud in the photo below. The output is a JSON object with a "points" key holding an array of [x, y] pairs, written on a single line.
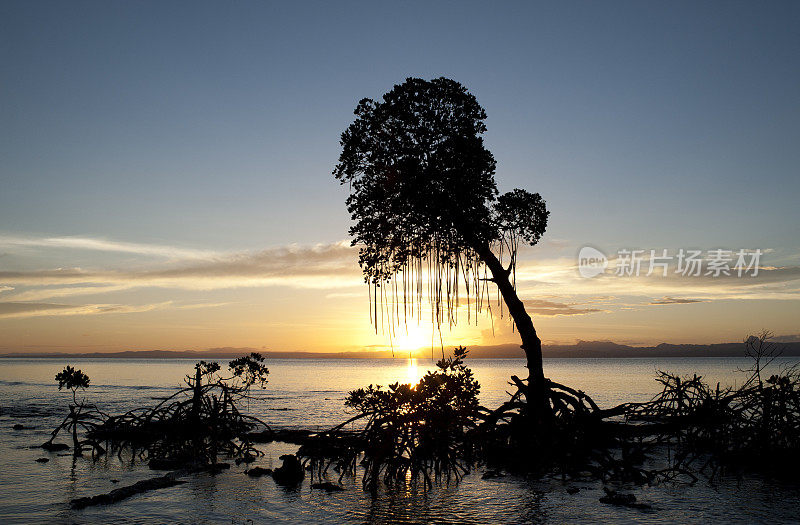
{"points": [[197, 306], [561, 277], [333, 267], [324, 266], [105, 245], [36, 293], [17, 310], [72, 291], [552, 308], [676, 300]]}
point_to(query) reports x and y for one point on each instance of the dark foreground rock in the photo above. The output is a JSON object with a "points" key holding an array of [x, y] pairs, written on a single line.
{"points": [[167, 480], [291, 473], [54, 447], [257, 472], [161, 482]]}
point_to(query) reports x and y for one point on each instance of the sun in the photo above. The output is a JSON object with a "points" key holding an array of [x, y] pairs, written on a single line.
{"points": [[410, 338]]}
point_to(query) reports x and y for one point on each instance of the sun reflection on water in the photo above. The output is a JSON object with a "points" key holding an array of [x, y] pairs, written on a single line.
{"points": [[413, 373]]}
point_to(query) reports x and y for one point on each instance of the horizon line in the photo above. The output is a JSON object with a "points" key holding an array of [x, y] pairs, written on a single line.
{"points": [[580, 349]]}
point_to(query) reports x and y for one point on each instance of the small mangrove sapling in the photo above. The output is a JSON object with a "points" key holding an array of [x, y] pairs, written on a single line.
{"points": [[80, 414]]}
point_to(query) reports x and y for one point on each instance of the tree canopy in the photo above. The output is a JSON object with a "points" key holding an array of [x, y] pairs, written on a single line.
{"points": [[423, 192]]}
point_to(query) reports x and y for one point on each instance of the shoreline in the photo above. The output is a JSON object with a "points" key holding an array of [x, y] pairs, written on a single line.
{"points": [[580, 350]]}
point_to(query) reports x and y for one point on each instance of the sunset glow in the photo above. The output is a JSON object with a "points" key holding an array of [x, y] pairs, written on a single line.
{"points": [[236, 235], [399, 262], [412, 337]]}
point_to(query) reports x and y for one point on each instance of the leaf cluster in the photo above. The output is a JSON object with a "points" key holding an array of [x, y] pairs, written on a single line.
{"points": [[420, 430], [72, 379], [250, 369], [422, 180], [194, 424]]}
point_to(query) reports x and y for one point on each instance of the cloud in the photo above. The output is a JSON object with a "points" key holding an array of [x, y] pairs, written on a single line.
{"points": [[14, 309], [201, 305], [552, 308], [675, 300], [503, 330], [105, 245], [334, 267], [72, 291], [560, 277], [557, 243], [324, 266], [18, 310], [290, 261]]}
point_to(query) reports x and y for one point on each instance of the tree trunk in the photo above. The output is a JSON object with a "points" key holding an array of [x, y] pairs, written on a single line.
{"points": [[197, 397], [76, 447], [531, 344]]}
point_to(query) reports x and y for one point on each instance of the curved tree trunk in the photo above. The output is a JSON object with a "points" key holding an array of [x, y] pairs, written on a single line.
{"points": [[531, 344]]}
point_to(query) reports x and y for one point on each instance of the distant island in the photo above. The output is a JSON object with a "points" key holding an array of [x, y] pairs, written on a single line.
{"points": [[581, 349]]}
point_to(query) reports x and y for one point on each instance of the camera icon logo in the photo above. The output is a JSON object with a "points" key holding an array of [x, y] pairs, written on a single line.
{"points": [[591, 262]]}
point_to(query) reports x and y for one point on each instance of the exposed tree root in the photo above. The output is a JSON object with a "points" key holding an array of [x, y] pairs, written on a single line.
{"points": [[436, 432], [197, 424]]}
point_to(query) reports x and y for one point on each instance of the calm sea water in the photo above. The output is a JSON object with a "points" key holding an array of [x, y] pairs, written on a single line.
{"points": [[309, 394]]}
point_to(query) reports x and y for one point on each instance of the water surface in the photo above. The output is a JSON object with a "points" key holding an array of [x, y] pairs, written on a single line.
{"points": [[309, 394]]}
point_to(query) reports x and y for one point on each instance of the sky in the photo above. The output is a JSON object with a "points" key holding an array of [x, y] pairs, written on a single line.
{"points": [[166, 180]]}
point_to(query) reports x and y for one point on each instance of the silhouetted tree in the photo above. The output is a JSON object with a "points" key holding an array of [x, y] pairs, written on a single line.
{"points": [[81, 414], [424, 198], [196, 423], [423, 431]]}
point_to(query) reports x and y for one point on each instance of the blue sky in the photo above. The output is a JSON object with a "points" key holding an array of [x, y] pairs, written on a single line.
{"points": [[214, 127]]}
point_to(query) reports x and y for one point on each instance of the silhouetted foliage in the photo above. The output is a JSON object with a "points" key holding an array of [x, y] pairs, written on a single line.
{"points": [[711, 429], [250, 370], [82, 417], [437, 431], [423, 197], [72, 379], [421, 178], [193, 425], [423, 431]]}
